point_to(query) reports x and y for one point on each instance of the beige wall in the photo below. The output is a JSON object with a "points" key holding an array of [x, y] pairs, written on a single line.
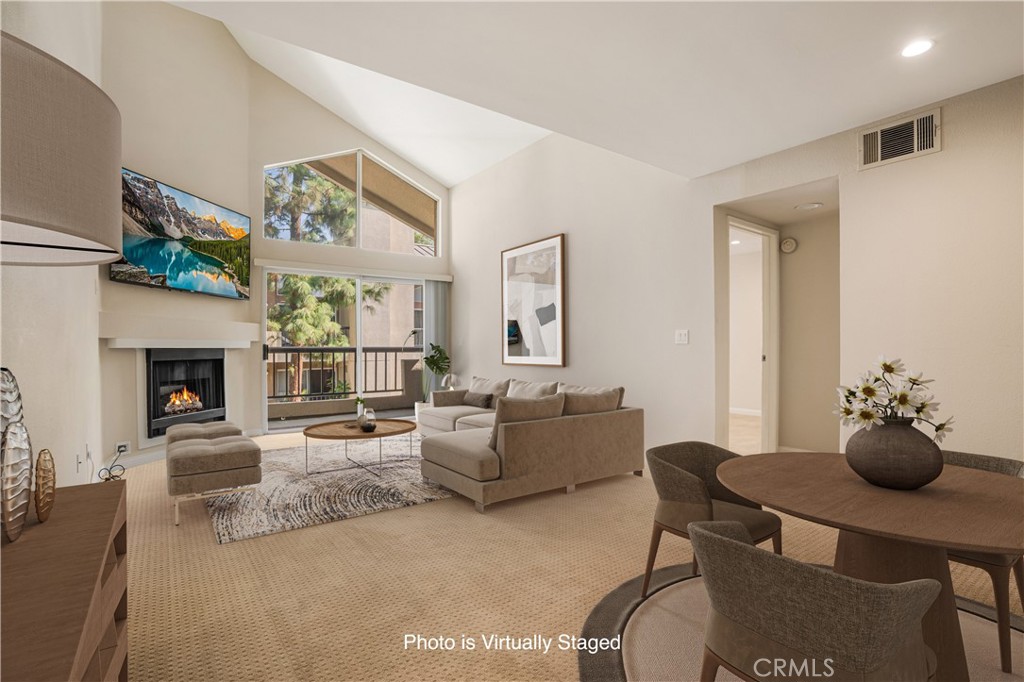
{"points": [[943, 232], [49, 319], [745, 332], [633, 275], [809, 332], [947, 230]]}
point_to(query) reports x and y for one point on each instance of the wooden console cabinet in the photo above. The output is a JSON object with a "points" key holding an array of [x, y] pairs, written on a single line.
{"points": [[64, 590]]}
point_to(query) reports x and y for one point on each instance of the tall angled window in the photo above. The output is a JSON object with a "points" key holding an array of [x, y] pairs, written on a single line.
{"points": [[349, 200], [302, 205]]}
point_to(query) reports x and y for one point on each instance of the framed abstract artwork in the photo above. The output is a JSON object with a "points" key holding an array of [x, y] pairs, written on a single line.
{"points": [[533, 303]]}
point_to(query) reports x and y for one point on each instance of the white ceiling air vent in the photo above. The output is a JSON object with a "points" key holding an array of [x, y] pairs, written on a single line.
{"points": [[901, 139]]}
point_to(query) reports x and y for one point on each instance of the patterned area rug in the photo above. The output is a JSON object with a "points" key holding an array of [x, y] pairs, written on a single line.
{"points": [[287, 498]]}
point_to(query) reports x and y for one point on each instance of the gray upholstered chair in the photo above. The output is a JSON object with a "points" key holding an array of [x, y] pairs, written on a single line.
{"points": [[689, 490], [998, 566], [766, 609]]}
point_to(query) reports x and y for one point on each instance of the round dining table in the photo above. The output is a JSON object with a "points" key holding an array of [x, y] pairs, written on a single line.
{"points": [[891, 536]]}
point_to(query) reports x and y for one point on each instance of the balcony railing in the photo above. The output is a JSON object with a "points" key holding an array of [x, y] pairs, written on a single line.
{"points": [[329, 372]]}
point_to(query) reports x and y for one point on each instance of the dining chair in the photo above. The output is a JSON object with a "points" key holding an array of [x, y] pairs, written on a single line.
{"points": [[766, 609], [689, 490], [998, 566]]}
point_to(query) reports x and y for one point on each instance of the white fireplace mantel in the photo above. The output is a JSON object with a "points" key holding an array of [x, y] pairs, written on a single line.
{"points": [[125, 330]]}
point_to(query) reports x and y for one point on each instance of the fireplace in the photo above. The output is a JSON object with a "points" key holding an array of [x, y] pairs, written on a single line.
{"points": [[183, 385]]}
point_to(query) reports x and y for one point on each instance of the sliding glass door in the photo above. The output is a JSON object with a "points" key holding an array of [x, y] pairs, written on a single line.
{"points": [[332, 338]]}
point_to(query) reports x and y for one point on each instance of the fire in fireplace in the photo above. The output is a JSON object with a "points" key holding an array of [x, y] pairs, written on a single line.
{"points": [[184, 385], [183, 401]]}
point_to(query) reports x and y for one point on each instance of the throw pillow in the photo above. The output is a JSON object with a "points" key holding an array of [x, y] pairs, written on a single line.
{"points": [[477, 399], [481, 385], [524, 409], [531, 389], [447, 398], [589, 403], [571, 388]]}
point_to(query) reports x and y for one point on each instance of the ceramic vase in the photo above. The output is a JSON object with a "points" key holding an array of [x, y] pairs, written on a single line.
{"points": [[369, 423], [894, 455]]}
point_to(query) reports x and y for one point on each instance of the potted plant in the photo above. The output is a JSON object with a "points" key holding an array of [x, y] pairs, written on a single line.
{"points": [[887, 451], [360, 407], [438, 363]]}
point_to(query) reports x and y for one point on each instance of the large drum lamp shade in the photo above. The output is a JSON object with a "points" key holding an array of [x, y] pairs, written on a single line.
{"points": [[60, 163]]}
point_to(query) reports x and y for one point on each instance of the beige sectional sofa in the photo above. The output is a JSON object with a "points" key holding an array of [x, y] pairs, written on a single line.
{"points": [[536, 437]]}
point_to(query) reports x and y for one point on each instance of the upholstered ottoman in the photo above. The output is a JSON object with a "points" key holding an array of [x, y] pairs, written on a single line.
{"points": [[206, 467], [206, 430]]}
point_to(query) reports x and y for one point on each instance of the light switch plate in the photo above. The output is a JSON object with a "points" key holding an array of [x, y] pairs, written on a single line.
{"points": [[682, 336]]}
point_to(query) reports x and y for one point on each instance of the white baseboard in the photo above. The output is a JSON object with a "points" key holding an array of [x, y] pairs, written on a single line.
{"points": [[783, 448], [745, 411], [141, 458]]}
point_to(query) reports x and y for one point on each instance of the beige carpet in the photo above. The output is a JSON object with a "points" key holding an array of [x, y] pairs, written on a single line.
{"points": [[334, 601], [663, 642]]}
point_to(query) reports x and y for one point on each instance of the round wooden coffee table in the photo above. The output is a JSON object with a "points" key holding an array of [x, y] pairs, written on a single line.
{"points": [[348, 430]]}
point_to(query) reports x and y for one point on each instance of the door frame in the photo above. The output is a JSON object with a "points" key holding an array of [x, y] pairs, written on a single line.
{"points": [[770, 338]]}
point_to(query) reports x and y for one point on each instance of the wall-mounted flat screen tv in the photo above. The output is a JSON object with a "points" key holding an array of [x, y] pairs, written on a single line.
{"points": [[176, 240]]}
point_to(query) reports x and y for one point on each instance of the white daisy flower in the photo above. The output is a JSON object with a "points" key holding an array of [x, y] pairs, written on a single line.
{"points": [[905, 398], [917, 378], [942, 429], [891, 366], [867, 417], [870, 389], [926, 407], [846, 395], [845, 413]]}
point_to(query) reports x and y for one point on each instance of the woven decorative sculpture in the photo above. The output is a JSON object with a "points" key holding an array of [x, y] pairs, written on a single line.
{"points": [[15, 458], [46, 484], [10, 399], [15, 479]]}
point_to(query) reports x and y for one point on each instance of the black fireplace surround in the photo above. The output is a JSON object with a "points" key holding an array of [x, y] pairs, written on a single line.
{"points": [[169, 370]]}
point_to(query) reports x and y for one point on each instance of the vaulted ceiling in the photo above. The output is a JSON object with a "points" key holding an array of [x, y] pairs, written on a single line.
{"points": [[690, 87]]}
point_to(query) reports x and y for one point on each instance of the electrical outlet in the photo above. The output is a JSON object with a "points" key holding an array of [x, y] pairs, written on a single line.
{"points": [[123, 448], [682, 336]]}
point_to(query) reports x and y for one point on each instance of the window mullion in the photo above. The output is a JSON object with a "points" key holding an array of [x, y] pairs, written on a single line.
{"points": [[359, 199]]}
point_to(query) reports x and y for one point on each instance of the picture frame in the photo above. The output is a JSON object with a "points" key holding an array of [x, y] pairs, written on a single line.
{"points": [[533, 303]]}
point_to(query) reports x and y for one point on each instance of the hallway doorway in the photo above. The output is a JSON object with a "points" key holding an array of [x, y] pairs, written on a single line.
{"points": [[751, 399]]}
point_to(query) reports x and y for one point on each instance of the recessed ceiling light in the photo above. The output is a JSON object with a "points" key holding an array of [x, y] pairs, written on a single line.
{"points": [[734, 242], [810, 206], [917, 47]]}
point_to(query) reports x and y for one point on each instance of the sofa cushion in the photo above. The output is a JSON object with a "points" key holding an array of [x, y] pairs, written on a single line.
{"points": [[464, 452], [187, 457], [589, 403], [444, 418], [484, 420], [531, 389], [448, 398], [480, 385], [525, 409], [572, 388], [478, 399]]}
